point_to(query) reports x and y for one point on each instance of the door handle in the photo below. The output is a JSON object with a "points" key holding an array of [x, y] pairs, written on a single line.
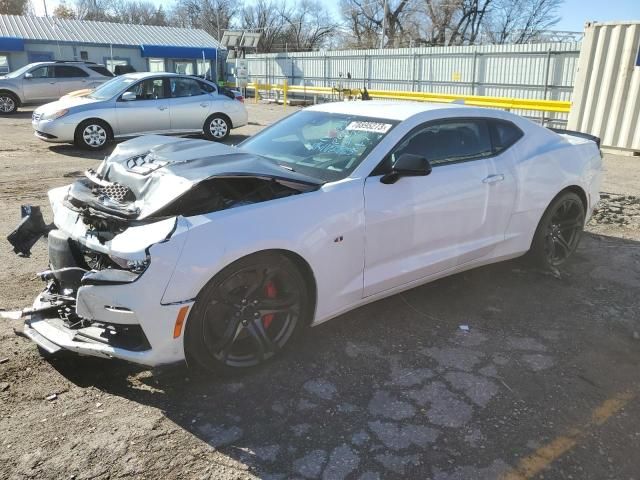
{"points": [[162, 108], [204, 105], [494, 178]]}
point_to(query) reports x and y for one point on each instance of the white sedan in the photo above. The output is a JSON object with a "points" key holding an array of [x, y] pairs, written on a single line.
{"points": [[140, 103], [180, 249]]}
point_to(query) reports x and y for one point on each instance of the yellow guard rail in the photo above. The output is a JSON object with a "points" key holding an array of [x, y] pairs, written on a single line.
{"points": [[504, 103]]}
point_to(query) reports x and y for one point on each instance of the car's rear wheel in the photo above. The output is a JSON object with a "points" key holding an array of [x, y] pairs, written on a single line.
{"points": [[8, 103], [559, 231], [217, 127], [93, 134], [247, 313]]}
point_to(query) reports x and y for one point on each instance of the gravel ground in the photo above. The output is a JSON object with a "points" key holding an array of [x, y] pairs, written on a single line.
{"points": [[543, 385]]}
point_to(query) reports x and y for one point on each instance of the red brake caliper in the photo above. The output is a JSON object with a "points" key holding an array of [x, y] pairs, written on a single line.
{"points": [[270, 291]]}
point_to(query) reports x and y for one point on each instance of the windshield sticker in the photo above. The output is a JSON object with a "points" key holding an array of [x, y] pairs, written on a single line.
{"points": [[375, 127]]}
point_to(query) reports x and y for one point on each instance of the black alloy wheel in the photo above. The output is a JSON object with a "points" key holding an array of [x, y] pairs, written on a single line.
{"points": [[559, 231], [247, 313]]}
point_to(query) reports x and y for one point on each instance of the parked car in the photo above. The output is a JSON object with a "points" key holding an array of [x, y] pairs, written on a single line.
{"points": [[139, 103], [177, 249], [43, 82]]}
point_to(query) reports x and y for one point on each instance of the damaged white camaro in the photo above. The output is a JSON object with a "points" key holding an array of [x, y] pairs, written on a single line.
{"points": [[177, 249]]}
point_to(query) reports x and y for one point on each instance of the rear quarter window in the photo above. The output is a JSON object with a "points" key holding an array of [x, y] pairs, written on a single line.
{"points": [[102, 71], [504, 134]]}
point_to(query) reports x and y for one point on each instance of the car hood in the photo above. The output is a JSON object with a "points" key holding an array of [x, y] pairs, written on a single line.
{"points": [[64, 103], [149, 177]]}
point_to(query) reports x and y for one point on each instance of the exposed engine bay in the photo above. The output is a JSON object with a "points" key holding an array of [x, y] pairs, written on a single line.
{"points": [[138, 189]]}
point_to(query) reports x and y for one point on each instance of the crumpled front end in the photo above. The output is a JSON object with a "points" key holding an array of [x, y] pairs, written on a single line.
{"points": [[103, 296], [119, 234]]}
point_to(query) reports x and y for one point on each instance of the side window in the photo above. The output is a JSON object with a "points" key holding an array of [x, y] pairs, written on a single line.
{"points": [[504, 134], [207, 88], [102, 70], [42, 72], [186, 87], [448, 142], [67, 71], [150, 89]]}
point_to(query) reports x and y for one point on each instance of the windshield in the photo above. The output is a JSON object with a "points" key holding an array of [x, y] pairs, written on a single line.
{"points": [[323, 145], [20, 71], [111, 88]]}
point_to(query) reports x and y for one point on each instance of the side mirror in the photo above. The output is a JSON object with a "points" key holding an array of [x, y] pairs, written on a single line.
{"points": [[128, 96], [408, 165], [28, 75]]}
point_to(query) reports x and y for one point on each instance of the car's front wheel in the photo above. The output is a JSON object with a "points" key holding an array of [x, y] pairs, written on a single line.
{"points": [[93, 134], [8, 103], [559, 231], [217, 127], [247, 313]]}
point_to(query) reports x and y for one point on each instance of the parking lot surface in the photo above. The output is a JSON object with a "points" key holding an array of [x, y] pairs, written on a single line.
{"points": [[500, 372]]}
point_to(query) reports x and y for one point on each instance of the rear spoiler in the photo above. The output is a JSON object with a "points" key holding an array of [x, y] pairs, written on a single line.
{"points": [[573, 133]]}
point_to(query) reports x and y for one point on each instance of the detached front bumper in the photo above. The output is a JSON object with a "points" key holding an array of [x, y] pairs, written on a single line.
{"points": [[128, 342]]}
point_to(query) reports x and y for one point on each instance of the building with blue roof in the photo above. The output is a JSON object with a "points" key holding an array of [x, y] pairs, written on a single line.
{"points": [[28, 39]]}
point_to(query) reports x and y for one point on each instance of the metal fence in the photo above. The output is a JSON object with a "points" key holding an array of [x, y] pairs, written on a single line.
{"points": [[535, 71]]}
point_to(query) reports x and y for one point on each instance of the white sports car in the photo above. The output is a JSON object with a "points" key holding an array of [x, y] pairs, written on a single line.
{"points": [[177, 249]]}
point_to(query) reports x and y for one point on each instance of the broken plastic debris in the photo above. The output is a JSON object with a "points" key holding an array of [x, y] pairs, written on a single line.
{"points": [[12, 315], [464, 328], [52, 397], [3, 360]]}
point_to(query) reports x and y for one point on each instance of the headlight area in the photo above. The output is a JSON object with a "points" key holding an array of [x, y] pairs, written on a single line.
{"points": [[68, 301], [55, 115]]}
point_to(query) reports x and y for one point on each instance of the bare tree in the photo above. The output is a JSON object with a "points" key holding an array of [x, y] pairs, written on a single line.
{"points": [[308, 25], [521, 21], [368, 18], [440, 15], [470, 20], [213, 16], [264, 17], [63, 10], [139, 12], [14, 7], [98, 10]]}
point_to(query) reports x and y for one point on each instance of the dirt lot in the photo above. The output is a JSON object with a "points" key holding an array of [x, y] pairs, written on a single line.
{"points": [[544, 385]]}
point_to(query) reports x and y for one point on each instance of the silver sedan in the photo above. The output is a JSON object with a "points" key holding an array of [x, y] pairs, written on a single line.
{"points": [[136, 104]]}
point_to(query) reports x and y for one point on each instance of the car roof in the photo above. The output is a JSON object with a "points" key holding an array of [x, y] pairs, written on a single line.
{"points": [[139, 75], [392, 110]]}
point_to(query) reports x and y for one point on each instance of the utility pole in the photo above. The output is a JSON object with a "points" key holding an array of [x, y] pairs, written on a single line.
{"points": [[46, 13], [384, 21]]}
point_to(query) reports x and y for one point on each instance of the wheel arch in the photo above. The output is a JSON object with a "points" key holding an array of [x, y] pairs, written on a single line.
{"points": [[578, 190], [93, 119], [301, 264], [13, 94], [218, 114]]}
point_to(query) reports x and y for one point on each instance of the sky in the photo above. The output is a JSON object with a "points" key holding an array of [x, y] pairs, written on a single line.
{"points": [[573, 13]]}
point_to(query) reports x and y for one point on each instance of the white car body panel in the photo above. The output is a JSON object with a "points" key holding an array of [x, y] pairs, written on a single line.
{"points": [[361, 239]]}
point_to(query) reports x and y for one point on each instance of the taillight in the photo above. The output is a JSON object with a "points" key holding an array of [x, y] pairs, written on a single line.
{"points": [[240, 98]]}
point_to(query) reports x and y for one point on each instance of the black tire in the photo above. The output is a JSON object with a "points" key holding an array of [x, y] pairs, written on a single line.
{"points": [[559, 231], [8, 103], [247, 314], [93, 134], [217, 127]]}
